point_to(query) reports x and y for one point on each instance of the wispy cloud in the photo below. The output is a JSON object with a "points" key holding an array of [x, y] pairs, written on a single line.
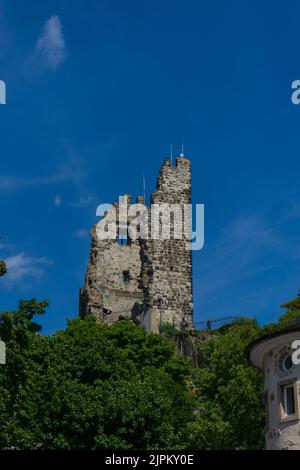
{"points": [[244, 269], [57, 201], [23, 269], [83, 201], [81, 233], [72, 170], [50, 49], [234, 256]]}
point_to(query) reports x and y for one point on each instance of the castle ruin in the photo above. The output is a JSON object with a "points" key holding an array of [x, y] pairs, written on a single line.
{"points": [[146, 280]]}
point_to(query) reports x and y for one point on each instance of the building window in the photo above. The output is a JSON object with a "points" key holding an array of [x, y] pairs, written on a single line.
{"points": [[286, 363], [126, 276], [288, 404]]}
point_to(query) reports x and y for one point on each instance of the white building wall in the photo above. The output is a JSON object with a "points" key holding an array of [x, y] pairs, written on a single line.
{"points": [[281, 432]]}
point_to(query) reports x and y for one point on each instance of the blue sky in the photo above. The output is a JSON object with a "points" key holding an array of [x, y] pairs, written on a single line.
{"points": [[96, 93]]}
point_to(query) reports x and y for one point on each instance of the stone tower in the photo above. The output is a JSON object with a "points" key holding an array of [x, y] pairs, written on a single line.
{"points": [[148, 280]]}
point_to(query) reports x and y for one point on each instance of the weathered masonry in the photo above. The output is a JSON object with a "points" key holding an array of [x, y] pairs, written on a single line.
{"points": [[147, 280]]}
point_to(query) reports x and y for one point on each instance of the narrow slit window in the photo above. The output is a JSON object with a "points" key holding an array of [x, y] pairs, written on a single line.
{"points": [[126, 276]]}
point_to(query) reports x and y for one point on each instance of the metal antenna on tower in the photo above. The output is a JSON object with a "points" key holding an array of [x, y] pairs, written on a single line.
{"points": [[182, 148], [144, 187]]}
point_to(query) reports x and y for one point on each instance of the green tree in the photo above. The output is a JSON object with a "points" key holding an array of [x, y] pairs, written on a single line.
{"points": [[114, 387], [20, 375], [230, 411], [95, 386], [292, 311], [92, 386]]}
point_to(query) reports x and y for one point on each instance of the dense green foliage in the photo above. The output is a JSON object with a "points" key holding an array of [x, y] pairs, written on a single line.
{"points": [[94, 386], [292, 311], [229, 392], [91, 386]]}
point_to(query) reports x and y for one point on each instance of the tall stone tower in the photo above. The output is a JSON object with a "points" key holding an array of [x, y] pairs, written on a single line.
{"points": [[148, 280]]}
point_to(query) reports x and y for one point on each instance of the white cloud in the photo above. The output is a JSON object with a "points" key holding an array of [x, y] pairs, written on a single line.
{"points": [[71, 170], [58, 201], [81, 233], [23, 268], [50, 49], [234, 257], [83, 201], [244, 269]]}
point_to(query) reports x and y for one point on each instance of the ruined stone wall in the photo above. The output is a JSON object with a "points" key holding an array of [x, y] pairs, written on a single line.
{"points": [[90, 298], [159, 287], [113, 276], [167, 264]]}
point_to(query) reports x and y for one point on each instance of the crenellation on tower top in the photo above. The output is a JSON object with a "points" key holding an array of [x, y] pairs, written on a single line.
{"points": [[140, 200], [182, 162]]}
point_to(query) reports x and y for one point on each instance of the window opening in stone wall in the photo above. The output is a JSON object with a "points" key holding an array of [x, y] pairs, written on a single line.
{"points": [[126, 276]]}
